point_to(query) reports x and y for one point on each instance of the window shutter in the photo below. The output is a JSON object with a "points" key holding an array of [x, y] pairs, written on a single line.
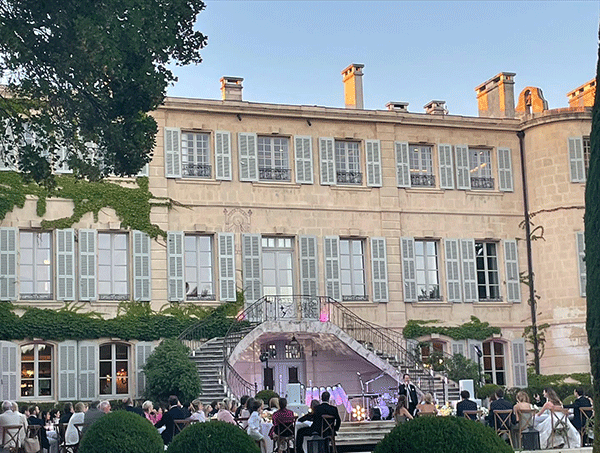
{"points": [[176, 292], [469, 270], [332, 267], [252, 267], [581, 263], [513, 280], [304, 160], [519, 356], [453, 282], [309, 273], [65, 264], [472, 353], [328, 173], [505, 176], [446, 166], [402, 164], [8, 370], [142, 280], [67, 370], [373, 163], [227, 266], [379, 268], [247, 157], [409, 273], [172, 153], [458, 347], [463, 174], [223, 155], [61, 166], [88, 370], [8, 263], [576, 159], [143, 350], [87, 264]]}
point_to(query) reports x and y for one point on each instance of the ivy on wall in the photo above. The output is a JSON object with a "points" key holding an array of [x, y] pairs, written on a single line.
{"points": [[474, 329], [132, 205], [135, 320]]}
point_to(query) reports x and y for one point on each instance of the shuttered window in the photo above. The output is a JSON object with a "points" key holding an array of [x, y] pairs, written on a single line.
{"points": [[113, 266], [463, 174], [142, 278], [274, 159], [402, 164], [8, 371], [36, 370], [453, 279], [252, 267], [469, 274], [511, 264], [172, 149], [88, 370], [576, 159], [309, 273], [65, 264], [67, 370], [332, 267], [143, 349], [505, 175], [327, 161], [195, 155], [409, 274], [35, 265], [379, 270], [446, 166], [176, 284], [199, 281], [352, 269], [8, 263], [223, 155], [421, 166], [247, 157], [304, 160], [519, 359], [87, 265], [227, 267], [373, 154]]}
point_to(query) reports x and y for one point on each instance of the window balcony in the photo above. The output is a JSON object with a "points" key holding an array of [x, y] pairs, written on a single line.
{"points": [[482, 183], [196, 170], [274, 174], [349, 177], [422, 180], [355, 298]]}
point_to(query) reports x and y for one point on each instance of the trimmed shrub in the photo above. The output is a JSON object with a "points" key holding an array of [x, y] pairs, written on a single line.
{"points": [[442, 434], [121, 432], [487, 390], [266, 395], [213, 437]]}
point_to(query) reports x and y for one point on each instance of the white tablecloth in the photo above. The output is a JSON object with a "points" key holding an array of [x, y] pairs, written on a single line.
{"points": [[266, 427]]}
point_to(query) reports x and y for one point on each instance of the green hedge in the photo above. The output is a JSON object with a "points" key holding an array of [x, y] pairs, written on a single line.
{"points": [[212, 437], [474, 329]]}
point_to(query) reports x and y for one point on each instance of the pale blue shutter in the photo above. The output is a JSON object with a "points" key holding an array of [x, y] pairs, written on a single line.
{"points": [[453, 281], [472, 354], [304, 160], [459, 347], [226, 267], [463, 174], [373, 153], [332, 267], [402, 164], [172, 153], [505, 176], [8, 263], [252, 266], [8, 371], [511, 263], [142, 281], [581, 263], [379, 268], [248, 157], [519, 358], [175, 266], [576, 160], [67, 370], [308, 266], [87, 264], [327, 160], [409, 273], [223, 155], [143, 350], [469, 270], [88, 370], [446, 166]]}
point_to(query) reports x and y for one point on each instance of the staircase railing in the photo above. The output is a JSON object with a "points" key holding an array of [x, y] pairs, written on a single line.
{"points": [[197, 334]]}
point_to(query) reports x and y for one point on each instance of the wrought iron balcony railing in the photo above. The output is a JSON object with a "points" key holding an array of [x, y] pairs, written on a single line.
{"points": [[349, 177], [196, 170], [274, 174], [422, 180], [482, 183]]}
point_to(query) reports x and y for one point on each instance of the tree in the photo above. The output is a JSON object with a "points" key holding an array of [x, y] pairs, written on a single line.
{"points": [[458, 367], [81, 77], [169, 371], [592, 253]]}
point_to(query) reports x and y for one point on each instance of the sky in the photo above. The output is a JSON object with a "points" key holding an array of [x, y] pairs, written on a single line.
{"points": [[293, 52]]}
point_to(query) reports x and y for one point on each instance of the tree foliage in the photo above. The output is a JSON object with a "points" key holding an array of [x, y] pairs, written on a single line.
{"points": [[81, 77], [169, 371], [592, 253]]}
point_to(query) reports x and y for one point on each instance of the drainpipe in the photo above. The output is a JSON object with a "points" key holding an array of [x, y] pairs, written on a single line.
{"points": [[532, 300]]}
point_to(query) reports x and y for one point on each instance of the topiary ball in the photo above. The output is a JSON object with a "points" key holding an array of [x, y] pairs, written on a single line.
{"points": [[213, 437], [442, 435], [121, 432]]}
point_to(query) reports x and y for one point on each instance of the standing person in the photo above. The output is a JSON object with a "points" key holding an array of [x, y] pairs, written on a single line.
{"points": [[9, 417], [322, 409], [409, 389], [466, 404], [580, 401], [175, 412]]}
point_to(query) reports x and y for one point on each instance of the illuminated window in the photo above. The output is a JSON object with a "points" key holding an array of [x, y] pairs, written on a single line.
{"points": [[114, 369], [36, 370], [493, 362], [480, 164], [421, 166]]}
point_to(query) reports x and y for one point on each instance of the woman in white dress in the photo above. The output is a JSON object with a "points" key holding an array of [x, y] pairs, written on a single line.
{"points": [[254, 425], [72, 433], [545, 426]]}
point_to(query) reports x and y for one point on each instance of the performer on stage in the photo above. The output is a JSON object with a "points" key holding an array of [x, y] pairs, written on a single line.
{"points": [[408, 389]]}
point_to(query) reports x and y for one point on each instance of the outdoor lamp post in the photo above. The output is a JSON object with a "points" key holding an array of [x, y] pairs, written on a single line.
{"points": [[479, 355]]}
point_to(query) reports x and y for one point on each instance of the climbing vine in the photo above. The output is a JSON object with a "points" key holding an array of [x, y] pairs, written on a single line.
{"points": [[474, 329], [132, 205]]}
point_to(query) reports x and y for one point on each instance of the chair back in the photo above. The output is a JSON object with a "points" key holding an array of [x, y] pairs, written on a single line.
{"points": [[327, 427], [560, 428], [10, 437], [526, 419], [502, 422], [287, 429], [242, 422], [587, 424], [181, 424], [472, 415]]}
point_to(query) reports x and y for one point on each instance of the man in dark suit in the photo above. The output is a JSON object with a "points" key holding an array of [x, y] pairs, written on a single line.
{"points": [[129, 407], [465, 405], [580, 401], [500, 404], [66, 414], [175, 412], [34, 413], [322, 409], [408, 389]]}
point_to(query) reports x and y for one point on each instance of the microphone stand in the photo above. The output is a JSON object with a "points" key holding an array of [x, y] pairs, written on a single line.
{"points": [[362, 388]]}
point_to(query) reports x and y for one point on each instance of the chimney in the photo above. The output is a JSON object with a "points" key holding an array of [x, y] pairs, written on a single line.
{"points": [[584, 95], [436, 108], [353, 88], [401, 107], [231, 88], [496, 97]]}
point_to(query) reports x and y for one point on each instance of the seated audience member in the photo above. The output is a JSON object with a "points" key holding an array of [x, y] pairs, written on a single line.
{"points": [[401, 413], [283, 415], [274, 404], [499, 404], [465, 405], [242, 406], [175, 412], [427, 407], [129, 407], [67, 412], [214, 409], [197, 409], [149, 412], [224, 414], [72, 433], [34, 419], [322, 409], [10, 417], [580, 401]]}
